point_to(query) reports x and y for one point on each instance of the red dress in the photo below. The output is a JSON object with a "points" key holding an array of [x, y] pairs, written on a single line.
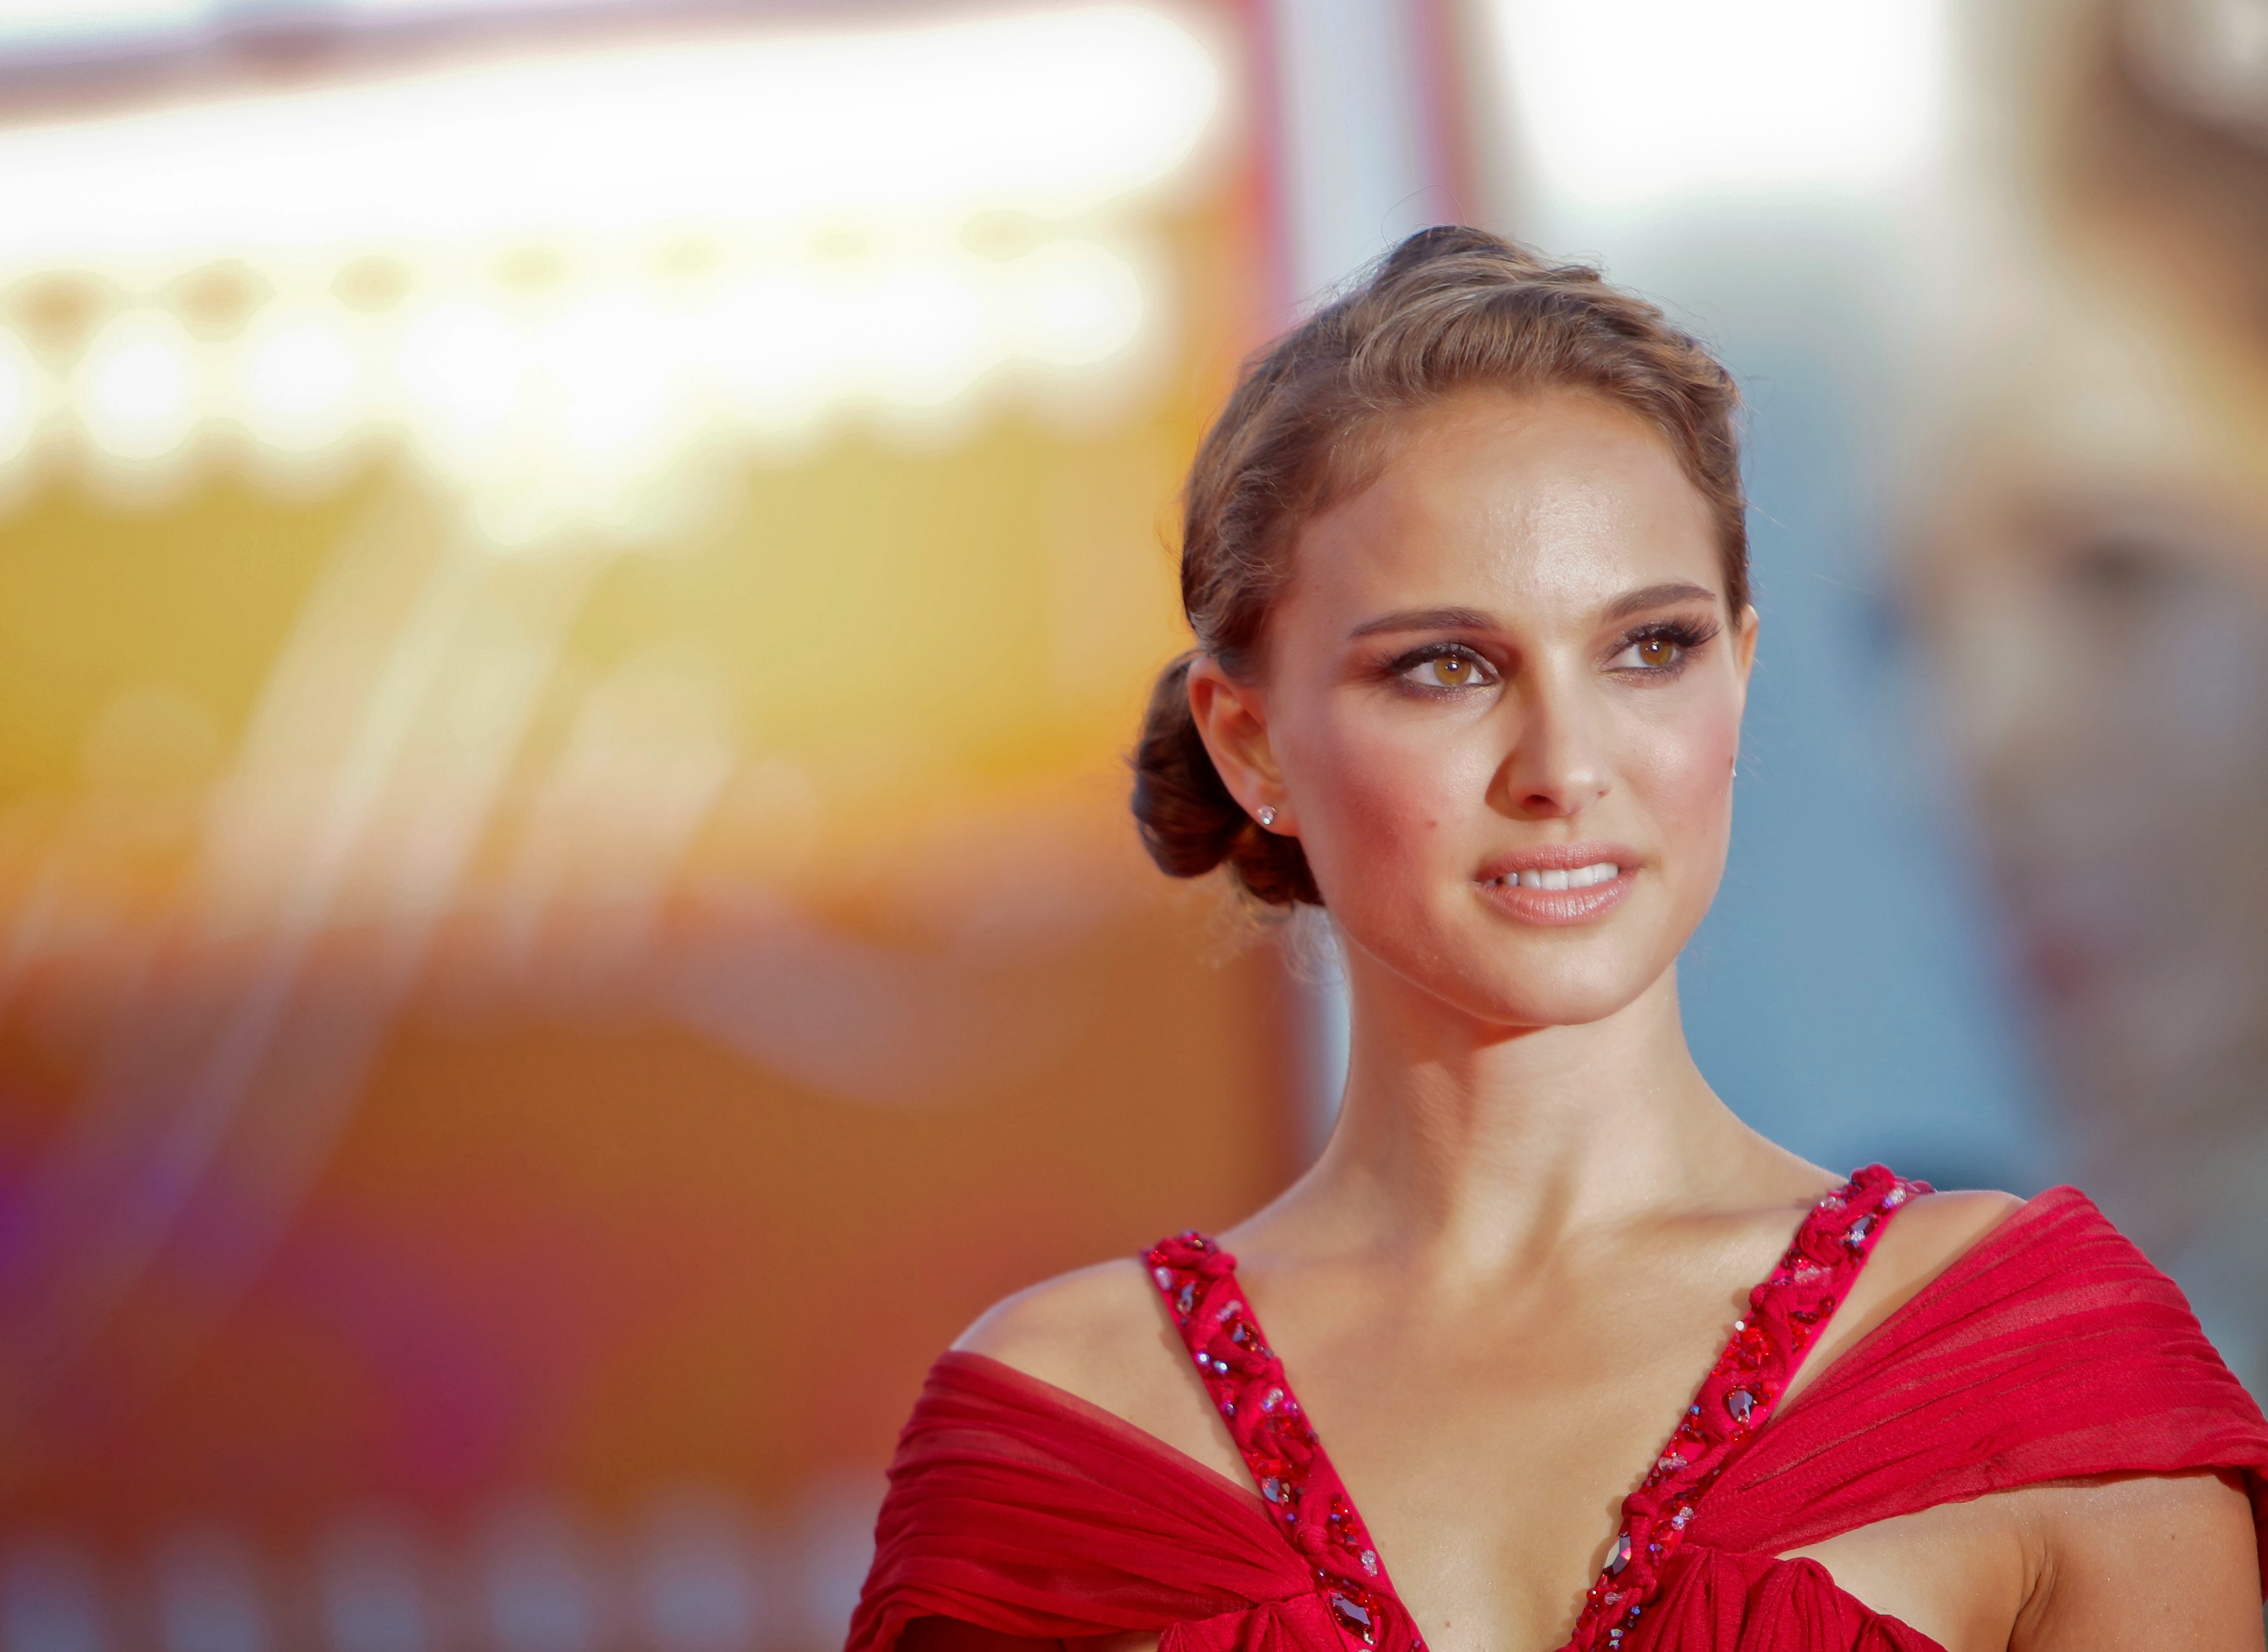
{"points": [[2051, 1350]]}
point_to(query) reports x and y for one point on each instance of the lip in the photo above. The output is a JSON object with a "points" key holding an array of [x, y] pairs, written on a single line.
{"points": [[1554, 908], [1558, 858]]}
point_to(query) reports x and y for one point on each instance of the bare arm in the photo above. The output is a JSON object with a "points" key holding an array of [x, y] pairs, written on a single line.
{"points": [[2139, 1561]]}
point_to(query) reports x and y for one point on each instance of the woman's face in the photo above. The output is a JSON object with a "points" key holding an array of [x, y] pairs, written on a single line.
{"points": [[1500, 709]]}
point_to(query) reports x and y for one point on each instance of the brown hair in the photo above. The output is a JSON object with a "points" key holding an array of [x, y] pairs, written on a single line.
{"points": [[1449, 309]]}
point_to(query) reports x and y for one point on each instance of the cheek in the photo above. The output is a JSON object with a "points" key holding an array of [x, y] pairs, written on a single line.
{"points": [[1383, 798], [1386, 805], [1679, 769]]}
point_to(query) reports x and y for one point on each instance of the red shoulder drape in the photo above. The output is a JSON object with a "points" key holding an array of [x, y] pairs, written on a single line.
{"points": [[1021, 1509], [2051, 1350]]}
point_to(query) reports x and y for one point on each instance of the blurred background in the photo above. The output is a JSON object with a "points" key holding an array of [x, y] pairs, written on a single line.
{"points": [[575, 576]]}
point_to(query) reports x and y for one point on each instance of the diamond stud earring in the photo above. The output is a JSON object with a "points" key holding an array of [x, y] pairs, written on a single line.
{"points": [[1267, 814]]}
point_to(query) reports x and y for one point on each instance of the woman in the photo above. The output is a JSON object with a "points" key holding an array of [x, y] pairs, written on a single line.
{"points": [[1465, 556]]}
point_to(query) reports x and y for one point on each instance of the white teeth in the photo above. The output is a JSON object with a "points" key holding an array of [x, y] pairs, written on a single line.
{"points": [[1581, 878]]}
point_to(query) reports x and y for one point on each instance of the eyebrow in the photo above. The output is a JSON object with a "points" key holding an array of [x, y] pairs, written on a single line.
{"points": [[1629, 603], [1425, 620], [1657, 597]]}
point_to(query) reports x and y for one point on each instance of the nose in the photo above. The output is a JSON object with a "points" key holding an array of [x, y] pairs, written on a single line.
{"points": [[1556, 767]]}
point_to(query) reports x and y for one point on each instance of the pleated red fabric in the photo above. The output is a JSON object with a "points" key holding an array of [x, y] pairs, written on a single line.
{"points": [[2051, 1350]]}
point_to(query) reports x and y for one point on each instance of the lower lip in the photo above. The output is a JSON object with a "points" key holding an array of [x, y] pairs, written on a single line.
{"points": [[1553, 907]]}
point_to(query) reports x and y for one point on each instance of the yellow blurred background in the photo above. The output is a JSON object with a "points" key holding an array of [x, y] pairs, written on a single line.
{"points": [[572, 593]]}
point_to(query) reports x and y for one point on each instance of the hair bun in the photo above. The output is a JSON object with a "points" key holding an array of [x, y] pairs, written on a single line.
{"points": [[1188, 821]]}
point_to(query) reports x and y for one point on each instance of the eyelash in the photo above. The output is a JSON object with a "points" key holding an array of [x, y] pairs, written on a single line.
{"points": [[1689, 637], [1400, 669], [1686, 635]]}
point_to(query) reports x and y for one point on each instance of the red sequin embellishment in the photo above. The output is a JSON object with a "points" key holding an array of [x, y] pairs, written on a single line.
{"points": [[1737, 1397], [1197, 1279]]}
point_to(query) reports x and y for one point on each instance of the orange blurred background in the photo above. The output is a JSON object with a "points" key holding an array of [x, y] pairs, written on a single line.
{"points": [[570, 914]]}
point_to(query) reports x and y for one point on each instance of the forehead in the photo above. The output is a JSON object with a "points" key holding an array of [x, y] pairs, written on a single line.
{"points": [[1540, 506]]}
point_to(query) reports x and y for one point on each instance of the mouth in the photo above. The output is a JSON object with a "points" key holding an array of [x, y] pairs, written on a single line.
{"points": [[1557, 877], [1559, 884]]}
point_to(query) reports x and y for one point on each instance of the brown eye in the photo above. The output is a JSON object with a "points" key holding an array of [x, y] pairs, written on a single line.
{"points": [[1660, 652], [1448, 671]]}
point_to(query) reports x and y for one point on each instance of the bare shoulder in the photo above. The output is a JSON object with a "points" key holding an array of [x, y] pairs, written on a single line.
{"points": [[1929, 1234], [1073, 1329], [2142, 1560], [1102, 1335], [1933, 1231]]}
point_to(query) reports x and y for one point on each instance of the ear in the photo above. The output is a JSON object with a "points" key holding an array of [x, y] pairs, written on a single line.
{"points": [[1744, 646], [1232, 719]]}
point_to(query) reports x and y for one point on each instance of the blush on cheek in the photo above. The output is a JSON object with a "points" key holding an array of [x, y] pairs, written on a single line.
{"points": [[1682, 774], [1381, 814]]}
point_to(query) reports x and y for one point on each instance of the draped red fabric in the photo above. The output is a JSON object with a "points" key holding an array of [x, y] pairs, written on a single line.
{"points": [[2051, 1350], [1019, 1507], [1726, 1602]]}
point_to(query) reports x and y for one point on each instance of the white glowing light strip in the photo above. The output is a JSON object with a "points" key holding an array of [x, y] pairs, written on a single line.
{"points": [[1050, 112], [36, 24], [444, 8], [578, 393], [565, 409], [45, 22], [1625, 100]]}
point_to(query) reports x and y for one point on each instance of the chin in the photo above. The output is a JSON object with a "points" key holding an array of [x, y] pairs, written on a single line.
{"points": [[1564, 982], [1526, 1001]]}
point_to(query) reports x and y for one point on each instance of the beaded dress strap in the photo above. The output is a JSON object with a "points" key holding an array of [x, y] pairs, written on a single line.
{"points": [[1738, 1395], [1197, 1279]]}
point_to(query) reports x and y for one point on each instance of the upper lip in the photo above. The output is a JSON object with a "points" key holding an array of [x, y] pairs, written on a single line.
{"points": [[1557, 857]]}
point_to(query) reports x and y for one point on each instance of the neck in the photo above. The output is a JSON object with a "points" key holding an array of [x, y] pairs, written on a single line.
{"points": [[1481, 1145]]}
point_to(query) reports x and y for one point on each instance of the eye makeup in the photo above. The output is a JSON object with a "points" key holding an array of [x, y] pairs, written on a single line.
{"points": [[1440, 670], [1661, 648]]}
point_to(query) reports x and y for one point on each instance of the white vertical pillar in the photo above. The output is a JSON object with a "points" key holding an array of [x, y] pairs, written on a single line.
{"points": [[1359, 118], [1361, 162]]}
